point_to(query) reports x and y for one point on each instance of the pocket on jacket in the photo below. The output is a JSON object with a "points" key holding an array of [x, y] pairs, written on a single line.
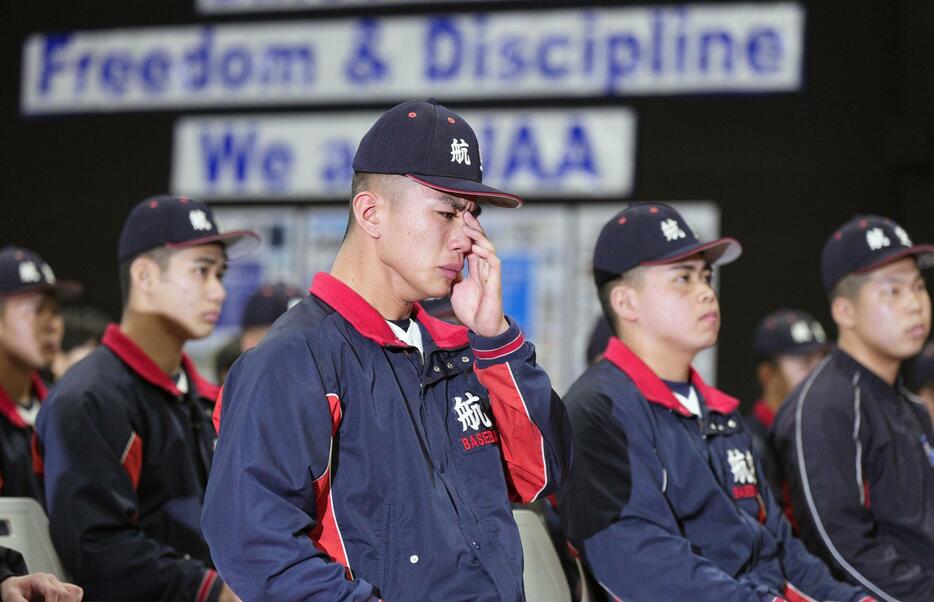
{"points": [[386, 542]]}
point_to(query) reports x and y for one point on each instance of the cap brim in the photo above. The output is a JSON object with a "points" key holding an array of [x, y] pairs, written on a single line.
{"points": [[716, 252], [237, 243], [923, 253], [484, 194], [62, 289]]}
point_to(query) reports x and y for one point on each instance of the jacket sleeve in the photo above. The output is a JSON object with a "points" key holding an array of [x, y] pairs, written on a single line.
{"points": [[831, 499], [615, 512], [805, 572], [12, 563], [531, 419], [267, 515], [92, 459]]}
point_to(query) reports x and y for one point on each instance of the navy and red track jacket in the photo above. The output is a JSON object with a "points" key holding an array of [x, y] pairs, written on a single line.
{"points": [[858, 454], [17, 474], [126, 457], [349, 468], [664, 505]]}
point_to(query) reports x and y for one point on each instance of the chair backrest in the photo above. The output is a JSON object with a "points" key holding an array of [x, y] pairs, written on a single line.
{"points": [[24, 527], [544, 576]]}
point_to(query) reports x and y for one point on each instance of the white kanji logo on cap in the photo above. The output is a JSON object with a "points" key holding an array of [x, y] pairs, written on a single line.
{"points": [[469, 413], [902, 236], [672, 230], [48, 273], [459, 151], [801, 332], [876, 239], [819, 335], [199, 220], [28, 272]]}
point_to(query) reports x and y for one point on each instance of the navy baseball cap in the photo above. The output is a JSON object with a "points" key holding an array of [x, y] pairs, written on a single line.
{"points": [[652, 234], [429, 143], [22, 271], [789, 332], [922, 368], [865, 243], [178, 222], [268, 303]]}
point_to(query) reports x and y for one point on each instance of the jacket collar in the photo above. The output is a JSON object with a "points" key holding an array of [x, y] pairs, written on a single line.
{"points": [[145, 368], [867, 377], [8, 406], [368, 322], [656, 391], [763, 413]]}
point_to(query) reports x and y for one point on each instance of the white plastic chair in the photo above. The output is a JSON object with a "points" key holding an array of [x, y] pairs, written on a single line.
{"points": [[24, 527], [544, 576]]}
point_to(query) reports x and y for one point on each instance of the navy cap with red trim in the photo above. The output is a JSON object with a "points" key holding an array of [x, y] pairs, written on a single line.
{"points": [[432, 145], [178, 222], [652, 234], [788, 332], [269, 302], [22, 271], [865, 243]]}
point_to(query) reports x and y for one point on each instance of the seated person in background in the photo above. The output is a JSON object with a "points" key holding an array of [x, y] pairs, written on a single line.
{"points": [[84, 329], [30, 336], [599, 338], [922, 377], [855, 446], [664, 501], [126, 435], [263, 308], [18, 586], [788, 344]]}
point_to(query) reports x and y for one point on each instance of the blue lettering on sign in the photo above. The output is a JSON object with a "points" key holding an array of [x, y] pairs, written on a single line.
{"points": [[155, 70], [522, 157], [51, 63], [764, 50], [444, 49], [364, 65], [337, 169], [661, 49], [239, 157]]}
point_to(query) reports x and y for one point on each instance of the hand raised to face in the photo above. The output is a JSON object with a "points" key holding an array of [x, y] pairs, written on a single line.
{"points": [[477, 299]]}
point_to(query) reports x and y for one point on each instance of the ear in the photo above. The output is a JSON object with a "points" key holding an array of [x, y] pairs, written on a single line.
{"points": [[143, 274], [765, 372], [625, 303], [843, 311], [368, 207]]}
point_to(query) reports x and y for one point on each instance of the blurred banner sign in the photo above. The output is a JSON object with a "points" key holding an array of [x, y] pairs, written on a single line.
{"points": [[585, 153], [255, 6], [678, 49]]}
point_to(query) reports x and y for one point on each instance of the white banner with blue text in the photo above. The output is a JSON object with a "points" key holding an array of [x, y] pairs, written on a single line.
{"points": [[659, 50]]}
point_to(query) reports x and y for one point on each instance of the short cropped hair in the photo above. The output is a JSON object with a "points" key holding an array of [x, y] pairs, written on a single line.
{"points": [[632, 278], [160, 255], [849, 286]]}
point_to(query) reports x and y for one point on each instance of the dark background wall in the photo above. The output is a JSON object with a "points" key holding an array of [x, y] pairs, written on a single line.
{"points": [[786, 168]]}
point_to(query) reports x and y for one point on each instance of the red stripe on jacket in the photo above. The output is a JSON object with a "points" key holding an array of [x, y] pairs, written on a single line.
{"points": [[132, 458], [520, 439], [326, 533], [207, 582]]}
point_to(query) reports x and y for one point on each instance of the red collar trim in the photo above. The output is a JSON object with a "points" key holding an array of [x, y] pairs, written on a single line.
{"points": [[763, 414], [656, 391], [368, 322], [142, 364], [8, 406]]}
